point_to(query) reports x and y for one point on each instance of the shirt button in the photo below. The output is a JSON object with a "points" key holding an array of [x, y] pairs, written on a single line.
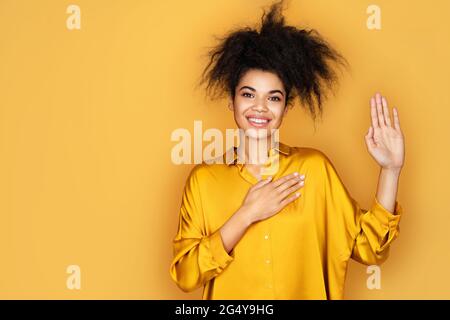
{"points": [[266, 237], [269, 286], [267, 261]]}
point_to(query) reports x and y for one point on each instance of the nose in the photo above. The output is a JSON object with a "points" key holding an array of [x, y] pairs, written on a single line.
{"points": [[260, 105]]}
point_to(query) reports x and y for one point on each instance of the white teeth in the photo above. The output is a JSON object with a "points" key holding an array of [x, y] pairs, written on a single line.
{"points": [[258, 120]]}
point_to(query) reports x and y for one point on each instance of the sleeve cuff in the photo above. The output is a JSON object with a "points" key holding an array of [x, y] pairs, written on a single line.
{"points": [[386, 217], [218, 251]]}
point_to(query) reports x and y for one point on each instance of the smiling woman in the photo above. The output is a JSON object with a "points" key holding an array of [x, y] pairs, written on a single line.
{"points": [[262, 72], [245, 234]]}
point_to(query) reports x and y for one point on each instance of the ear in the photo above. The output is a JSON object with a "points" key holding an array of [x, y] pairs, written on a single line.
{"points": [[286, 108], [230, 104]]}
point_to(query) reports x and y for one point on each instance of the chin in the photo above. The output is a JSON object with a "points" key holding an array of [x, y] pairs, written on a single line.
{"points": [[254, 133]]}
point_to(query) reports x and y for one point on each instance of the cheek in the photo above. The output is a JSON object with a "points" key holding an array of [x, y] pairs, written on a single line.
{"points": [[238, 114], [239, 109], [278, 114]]}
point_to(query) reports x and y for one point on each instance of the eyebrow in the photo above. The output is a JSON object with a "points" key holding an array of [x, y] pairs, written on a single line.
{"points": [[253, 89]]}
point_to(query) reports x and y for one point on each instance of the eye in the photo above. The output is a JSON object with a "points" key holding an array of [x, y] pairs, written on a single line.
{"points": [[277, 99], [244, 94]]}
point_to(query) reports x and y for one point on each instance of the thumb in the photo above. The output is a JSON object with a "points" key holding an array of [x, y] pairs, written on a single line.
{"points": [[369, 138]]}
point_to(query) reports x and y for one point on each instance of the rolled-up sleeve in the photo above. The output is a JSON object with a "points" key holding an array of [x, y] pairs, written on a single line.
{"points": [[369, 233], [197, 256], [376, 229]]}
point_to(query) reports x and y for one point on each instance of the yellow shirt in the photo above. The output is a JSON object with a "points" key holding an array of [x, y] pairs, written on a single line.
{"points": [[301, 252]]}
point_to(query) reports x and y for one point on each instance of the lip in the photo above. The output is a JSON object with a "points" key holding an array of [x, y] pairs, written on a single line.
{"points": [[258, 125]]}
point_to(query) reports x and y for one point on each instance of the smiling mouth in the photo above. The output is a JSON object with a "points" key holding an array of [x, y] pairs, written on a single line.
{"points": [[258, 122]]}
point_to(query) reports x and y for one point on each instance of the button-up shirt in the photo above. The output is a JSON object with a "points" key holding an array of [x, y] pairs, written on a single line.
{"points": [[301, 252]]}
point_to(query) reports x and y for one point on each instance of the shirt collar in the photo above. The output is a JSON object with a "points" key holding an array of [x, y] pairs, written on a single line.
{"points": [[233, 154]]}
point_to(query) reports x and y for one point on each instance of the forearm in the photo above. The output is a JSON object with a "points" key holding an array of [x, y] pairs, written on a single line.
{"points": [[387, 188], [234, 229]]}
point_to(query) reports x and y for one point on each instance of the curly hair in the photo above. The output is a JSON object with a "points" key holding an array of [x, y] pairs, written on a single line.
{"points": [[301, 58]]}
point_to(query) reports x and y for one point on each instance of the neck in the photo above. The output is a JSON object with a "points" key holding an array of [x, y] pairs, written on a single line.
{"points": [[255, 151]]}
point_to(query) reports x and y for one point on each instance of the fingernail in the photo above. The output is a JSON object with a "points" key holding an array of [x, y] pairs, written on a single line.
{"points": [[295, 173], [302, 176], [297, 194]]}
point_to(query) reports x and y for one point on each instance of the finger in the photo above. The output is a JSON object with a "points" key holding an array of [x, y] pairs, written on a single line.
{"points": [[373, 112], [282, 180], [288, 184], [369, 138], [387, 116], [379, 110], [290, 199], [261, 183], [369, 132], [396, 119], [288, 191]]}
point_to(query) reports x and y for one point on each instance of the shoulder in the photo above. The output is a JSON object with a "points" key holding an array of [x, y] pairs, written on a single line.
{"points": [[197, 172], [310, 155], [203, 172], [315, 162]]}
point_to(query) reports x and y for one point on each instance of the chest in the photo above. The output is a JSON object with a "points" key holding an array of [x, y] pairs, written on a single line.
{"points": [[222, 198]]}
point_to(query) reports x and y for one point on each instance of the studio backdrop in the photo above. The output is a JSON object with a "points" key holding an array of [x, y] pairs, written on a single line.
{"points": [[91, 93]]}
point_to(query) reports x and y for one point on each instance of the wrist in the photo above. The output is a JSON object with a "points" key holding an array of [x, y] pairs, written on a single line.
{"points": [[245, 216], [391, 171]]}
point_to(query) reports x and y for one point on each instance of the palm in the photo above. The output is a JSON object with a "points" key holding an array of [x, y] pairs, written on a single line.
{"points": [[384, 141]]}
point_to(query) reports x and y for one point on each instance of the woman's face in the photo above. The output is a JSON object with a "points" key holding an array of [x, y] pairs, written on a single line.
{"points": [[259, 103]]}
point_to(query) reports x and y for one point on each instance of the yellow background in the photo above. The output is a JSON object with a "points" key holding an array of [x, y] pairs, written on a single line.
{"points": [[86, 115]]}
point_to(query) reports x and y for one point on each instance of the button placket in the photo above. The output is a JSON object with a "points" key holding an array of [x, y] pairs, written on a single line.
{"points": [[268, 260]]}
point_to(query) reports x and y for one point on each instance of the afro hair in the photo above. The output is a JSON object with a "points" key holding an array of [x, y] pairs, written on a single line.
{"points": [[301, 58]]}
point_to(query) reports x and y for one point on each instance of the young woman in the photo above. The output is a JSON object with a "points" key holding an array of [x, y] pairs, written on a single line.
{"points": [[246, 232]]}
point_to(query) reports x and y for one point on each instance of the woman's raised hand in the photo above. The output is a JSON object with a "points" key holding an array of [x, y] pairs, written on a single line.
{"points": [[384, 138]]}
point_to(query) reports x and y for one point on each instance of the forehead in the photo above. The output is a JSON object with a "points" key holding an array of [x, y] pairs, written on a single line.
{"points": [[261, 80]]}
